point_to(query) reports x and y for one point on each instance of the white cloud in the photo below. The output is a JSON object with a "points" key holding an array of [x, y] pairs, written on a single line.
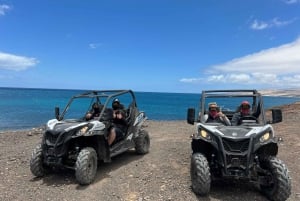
{"points": [[230, 78], [242, 78], [218, 78], [264, 78], [275, 22], [293, 80], [273, 60], [16, 63], [4, 8], [94, 45], [190, 80], [277, 67], [291, 1], [259, 25]]}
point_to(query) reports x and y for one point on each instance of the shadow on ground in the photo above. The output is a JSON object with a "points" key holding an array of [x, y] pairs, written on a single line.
{"points": [[62, 177], [227, 190]]}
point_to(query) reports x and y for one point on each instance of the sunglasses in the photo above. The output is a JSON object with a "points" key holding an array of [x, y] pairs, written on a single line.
{"points": [[245, 106], [212, 109]]}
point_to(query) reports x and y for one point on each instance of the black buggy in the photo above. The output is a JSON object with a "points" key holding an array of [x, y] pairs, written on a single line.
{"points": [[70, 141], [247, 151]]}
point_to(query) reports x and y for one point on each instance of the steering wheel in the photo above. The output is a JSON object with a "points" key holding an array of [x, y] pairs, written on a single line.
{"points": [[248, 117]]}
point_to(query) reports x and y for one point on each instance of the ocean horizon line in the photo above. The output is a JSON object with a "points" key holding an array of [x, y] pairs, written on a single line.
{"points": [[68, 89], [289, 92]]}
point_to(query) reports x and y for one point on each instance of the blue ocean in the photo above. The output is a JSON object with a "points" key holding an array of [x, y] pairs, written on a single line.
{"points": [[24, 108]]}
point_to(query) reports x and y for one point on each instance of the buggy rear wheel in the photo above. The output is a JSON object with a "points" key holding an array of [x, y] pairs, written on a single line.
{"points": [[278, 186], [200, 174], [142, 142], [86, 166]]}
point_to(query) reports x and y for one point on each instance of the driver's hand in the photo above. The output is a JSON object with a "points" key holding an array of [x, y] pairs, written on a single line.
{"points": [[119, 116], [88, 116]]}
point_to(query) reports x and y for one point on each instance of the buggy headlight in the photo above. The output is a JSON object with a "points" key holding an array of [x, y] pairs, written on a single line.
{"points": [[265, 137], [205, 134], [83, 130]]}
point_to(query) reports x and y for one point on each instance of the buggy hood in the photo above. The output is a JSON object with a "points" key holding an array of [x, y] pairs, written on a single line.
{"points": [[235, 131], [66, 126]]}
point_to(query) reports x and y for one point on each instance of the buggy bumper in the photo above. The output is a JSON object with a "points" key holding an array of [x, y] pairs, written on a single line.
{"points": [[53, 161]]}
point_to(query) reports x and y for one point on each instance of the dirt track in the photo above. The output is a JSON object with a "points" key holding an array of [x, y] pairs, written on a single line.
{"points": [[163, 174]]}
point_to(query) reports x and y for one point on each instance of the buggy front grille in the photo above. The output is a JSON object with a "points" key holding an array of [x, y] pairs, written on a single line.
{"points": [[53, 144], [237, 146], [51, 138]]}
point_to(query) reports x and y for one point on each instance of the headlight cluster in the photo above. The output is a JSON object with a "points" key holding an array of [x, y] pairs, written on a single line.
{"points": [[265, 137], [204, 134], [83, 130]]}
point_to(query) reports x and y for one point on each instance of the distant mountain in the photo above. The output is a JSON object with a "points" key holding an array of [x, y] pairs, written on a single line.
{"points": [[281, 92]]}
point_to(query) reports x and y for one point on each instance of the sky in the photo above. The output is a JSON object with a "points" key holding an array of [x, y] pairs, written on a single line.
{"points": [[150, 45]]}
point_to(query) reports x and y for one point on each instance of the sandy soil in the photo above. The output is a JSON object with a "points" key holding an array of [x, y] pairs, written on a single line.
{"points": [[163, 174]]}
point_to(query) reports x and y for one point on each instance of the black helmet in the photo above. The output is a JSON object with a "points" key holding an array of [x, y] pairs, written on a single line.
{"points": [[116, 104], [95, 105], [116, 100], [96, 108]]}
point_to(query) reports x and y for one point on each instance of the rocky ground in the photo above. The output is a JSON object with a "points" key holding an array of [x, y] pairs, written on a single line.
{"points": [[163, 174]]}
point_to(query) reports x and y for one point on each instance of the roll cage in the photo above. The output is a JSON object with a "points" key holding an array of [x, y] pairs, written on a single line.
{"points": [[96, 95], [254, 95]]}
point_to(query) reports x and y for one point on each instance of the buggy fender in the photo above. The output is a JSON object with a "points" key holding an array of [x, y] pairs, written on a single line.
{"points": [[139, 120], [204, 147], [98, 142], [270, 148]]}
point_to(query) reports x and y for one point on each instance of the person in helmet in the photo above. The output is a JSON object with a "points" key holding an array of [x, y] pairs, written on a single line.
{"points": [[119, 126], [95, 112], [215, 115], [118, 108], [244, 110], [116, 104]]}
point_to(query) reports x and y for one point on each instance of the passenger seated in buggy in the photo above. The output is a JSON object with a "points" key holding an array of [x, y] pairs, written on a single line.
{"points": [[244, 113], [215, 115], [95, 112], [116, 104], [119, 124]]}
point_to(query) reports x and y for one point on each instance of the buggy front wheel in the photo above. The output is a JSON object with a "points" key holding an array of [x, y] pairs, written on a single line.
{"points": [[200, 174], [278, 185], [36, 162], [86, 166]]}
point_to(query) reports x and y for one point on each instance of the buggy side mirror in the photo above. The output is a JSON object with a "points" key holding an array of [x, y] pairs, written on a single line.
{"points": [[191, 116], [276, 116], [57, 113]]}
